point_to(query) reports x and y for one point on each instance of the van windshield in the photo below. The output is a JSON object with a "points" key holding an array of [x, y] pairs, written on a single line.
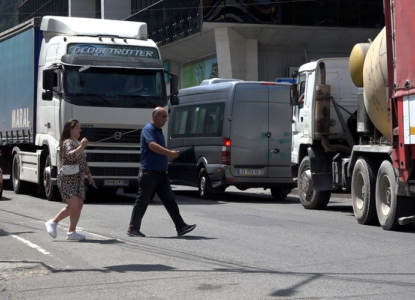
{"points": [[114, 87]]}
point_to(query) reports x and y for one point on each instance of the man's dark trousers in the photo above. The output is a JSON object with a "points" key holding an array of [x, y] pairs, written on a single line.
{"points": [[158, 181]]}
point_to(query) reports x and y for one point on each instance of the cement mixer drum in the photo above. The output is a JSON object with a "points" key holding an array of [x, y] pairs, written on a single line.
{"points": [[374, 82]]}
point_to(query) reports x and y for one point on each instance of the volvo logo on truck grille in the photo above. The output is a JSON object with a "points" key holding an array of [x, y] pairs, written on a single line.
{"points": [[117, 135]]}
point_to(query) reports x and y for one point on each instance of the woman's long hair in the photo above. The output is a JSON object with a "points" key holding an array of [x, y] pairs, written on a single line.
{"points": [[66, 134]]}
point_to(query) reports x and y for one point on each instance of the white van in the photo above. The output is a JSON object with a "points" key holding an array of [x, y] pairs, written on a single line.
{"points": [[232, 133]]}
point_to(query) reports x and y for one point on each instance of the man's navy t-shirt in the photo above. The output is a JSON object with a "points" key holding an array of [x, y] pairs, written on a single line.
{"points": [[151, 160]]}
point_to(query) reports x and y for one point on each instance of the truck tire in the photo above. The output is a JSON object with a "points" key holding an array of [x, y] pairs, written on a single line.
{"points": [[363, 191], [389, 206], [277, 194], [310, 198], [1, 194], [51, 191], [17, 184]]}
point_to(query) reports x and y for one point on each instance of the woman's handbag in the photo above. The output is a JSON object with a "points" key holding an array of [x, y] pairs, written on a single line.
{"points": [[70, 169]]}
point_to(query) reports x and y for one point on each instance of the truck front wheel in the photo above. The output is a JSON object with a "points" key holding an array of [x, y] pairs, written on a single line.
{"points": [[363, 191], [51, 190], [18, 185], [310, 198], [389, 206]]}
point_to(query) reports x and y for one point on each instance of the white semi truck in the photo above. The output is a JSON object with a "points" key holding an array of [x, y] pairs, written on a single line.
{"points": [[104, 73], [355, 129]]}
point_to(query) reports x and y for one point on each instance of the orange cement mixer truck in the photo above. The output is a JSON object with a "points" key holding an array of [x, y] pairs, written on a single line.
{"points": [[355, 128]]}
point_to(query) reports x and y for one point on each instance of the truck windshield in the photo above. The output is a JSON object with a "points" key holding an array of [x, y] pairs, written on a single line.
{"points": [[114, 87]]}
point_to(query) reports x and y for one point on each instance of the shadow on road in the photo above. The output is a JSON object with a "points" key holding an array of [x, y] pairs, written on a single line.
{"points": [[233, 197]]}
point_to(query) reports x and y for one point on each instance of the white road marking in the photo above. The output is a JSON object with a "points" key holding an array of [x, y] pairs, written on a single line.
{"points": [[30, 244]]}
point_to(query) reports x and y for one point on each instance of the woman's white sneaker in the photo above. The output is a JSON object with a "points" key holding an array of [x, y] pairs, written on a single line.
{"points": [[74, 236], [51, 228]]}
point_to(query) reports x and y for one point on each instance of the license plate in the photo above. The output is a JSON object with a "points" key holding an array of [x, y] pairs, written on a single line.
{"points": [[115, 182], [250, 172]]}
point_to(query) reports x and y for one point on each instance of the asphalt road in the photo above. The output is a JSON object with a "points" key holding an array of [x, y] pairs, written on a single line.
{"points": [[245, 246]]}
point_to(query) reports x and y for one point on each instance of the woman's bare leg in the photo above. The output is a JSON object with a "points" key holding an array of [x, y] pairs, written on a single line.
{"points": [[73, 210], [74, 218]]}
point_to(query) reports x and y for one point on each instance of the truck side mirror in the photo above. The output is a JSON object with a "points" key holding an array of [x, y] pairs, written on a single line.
{"points": [[48, 79], [174, 100], [47, 95], [174, 84], [293, 95]]}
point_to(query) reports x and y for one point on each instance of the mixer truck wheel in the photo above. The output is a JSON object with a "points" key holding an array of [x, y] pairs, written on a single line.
{"points": [[51, 191], [363, 191], [389, 206], [310, 198]]}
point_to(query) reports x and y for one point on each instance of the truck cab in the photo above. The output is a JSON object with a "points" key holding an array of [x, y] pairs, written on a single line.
{"points": [[324, 118]]}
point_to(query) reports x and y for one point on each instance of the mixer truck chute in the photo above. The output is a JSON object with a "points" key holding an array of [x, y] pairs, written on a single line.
{"points": [[355, 130]]}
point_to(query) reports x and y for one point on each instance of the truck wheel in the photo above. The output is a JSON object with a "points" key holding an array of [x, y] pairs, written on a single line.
{"points": [[204, 185], [18, 185], [310, 198], [1, 194], [277, 193], [51, 190], [389, 206], [363, 191]]}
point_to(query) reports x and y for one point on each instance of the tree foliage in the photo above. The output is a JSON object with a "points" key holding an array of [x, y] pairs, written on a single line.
{"points": [[8, 14]]}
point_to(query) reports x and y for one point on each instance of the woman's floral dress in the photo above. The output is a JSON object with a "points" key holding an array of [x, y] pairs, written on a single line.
{"points": [[72, 185]]}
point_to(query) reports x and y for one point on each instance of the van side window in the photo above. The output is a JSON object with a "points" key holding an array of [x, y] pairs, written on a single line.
{"points": [[198, 120]]}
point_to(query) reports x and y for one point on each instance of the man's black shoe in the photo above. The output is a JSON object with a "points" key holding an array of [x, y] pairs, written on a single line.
{"points": [[185, 229], [135, 233]]}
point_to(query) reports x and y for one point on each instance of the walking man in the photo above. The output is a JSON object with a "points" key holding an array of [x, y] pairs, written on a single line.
{"points": [[152, 176]]}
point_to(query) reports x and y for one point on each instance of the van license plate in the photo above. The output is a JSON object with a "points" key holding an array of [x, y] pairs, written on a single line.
{"points": [[115, 182], [250, 172]]}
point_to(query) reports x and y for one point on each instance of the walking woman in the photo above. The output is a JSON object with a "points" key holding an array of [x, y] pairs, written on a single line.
{"points": [[71, 187]]}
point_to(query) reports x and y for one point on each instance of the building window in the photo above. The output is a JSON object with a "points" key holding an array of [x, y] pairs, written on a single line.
{"points": [[29, 9]]}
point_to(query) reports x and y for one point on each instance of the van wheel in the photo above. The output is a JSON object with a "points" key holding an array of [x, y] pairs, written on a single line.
{"points": [[51, 190], [389, 206], [204, 185], [277, 193], [310, 198]]}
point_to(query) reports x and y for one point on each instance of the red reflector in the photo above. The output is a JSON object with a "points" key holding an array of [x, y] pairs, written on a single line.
{"points": [[267, 83], [230, 179]]}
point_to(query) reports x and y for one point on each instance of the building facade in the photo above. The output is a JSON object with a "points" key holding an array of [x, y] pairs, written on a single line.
{"points": [[255, 39]]}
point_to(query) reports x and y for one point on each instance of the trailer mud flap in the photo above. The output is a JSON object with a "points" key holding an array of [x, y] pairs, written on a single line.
{"points": [[321, 168]]}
